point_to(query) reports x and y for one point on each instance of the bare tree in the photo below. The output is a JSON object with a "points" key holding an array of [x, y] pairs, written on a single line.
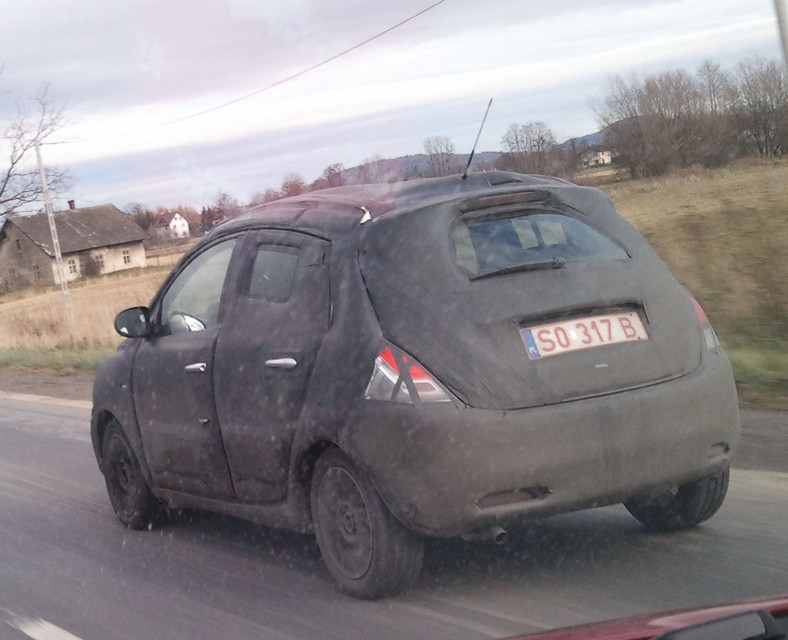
{"points": [[143, 216], [440, 150], [20, 183], [331, 177], [226, 206], [719, 138], [292, 185], [209, 217], [655, 123], [715, 83], [261, 197], [759, 103], [528, 147], [333, 174], [373, 171], [672, 105]]}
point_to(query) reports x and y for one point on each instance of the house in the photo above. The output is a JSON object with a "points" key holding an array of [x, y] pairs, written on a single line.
{"points": [[93, 240], [594, 158], [170, 226]]}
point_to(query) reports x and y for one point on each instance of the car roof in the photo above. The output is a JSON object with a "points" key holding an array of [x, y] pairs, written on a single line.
{"points": [[338, 210]]}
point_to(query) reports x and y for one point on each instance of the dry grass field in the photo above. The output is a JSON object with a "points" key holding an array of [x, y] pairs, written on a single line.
{"points": [[724, 233], [36, 332]]}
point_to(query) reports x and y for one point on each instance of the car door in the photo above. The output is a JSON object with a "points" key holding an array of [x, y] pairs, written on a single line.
{"points": [[172, 378], [265, 355]]}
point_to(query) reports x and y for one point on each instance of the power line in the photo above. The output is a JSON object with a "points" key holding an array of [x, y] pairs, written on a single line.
{"points": [[273, 85]]}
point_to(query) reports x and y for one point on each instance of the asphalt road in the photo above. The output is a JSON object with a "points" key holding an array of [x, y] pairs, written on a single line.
{"points": [[69, 570]]}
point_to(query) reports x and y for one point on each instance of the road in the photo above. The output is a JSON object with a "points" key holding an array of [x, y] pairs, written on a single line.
{"points": [[69, 570]]}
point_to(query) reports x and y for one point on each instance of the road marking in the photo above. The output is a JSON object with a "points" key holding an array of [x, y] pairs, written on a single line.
{"points": [[39, 629]]}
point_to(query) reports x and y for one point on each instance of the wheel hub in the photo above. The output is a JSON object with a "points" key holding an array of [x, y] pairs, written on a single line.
{"points": [[348, 521]]}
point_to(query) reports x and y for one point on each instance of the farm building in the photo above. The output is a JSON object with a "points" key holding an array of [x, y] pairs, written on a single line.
{"points": [[596, 158], [170, 226], [93, 240]]}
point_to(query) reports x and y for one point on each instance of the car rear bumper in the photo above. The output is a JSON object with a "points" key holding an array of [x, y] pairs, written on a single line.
{"points": [[445, 470]]}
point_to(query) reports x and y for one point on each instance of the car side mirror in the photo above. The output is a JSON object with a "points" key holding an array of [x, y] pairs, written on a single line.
{"points": [[133, 323]]}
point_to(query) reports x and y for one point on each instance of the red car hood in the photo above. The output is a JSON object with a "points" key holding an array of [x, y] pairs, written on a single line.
{"points": [[651, 626]]}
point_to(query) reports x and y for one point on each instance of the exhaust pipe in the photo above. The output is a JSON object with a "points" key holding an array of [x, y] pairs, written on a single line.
{"points": [[496, 533]]}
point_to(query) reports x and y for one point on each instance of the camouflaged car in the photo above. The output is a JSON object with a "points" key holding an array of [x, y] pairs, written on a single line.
{"points": [[446, 357]]}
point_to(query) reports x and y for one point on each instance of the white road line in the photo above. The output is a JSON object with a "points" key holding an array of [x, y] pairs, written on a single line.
{"points": [[39, 629]]}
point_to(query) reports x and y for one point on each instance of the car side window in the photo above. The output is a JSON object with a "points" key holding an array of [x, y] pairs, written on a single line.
{"points": [[192, 301], [273, 272]]}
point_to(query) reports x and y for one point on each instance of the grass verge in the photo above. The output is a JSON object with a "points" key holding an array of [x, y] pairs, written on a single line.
{"points": [[62, 360], [761, 372]]}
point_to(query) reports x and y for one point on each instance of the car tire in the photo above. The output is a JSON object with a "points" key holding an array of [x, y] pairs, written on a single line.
{"points": [[367, 550], [129, 493], [683, 507]]}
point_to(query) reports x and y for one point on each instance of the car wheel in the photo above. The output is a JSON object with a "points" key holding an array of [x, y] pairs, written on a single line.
{"points": [[683, 507], [131, 497], [366, 549]]}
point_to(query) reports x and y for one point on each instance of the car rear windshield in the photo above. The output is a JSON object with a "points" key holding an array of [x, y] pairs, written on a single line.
{"points": [[500, 244]]}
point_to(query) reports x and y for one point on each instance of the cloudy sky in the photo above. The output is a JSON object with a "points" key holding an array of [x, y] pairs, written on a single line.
{"points": [[132, 76]]}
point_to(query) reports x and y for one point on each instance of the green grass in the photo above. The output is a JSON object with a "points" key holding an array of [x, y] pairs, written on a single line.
{"points": [[59, 359], [761, 371]]}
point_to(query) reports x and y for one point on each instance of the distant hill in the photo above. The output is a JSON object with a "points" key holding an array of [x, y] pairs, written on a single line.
{"points": [[415, 166], [418, 165], [588, 140]]}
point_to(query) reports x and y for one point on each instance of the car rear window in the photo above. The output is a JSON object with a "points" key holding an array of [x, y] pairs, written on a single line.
{"points": [[486, 245]]}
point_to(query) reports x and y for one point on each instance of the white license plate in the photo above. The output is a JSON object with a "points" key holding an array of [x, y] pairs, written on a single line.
{"points": [[555, 338]]}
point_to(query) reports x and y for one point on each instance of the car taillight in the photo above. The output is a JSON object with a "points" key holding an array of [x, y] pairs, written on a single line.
{"points": [[397, 377], [705, 326]]}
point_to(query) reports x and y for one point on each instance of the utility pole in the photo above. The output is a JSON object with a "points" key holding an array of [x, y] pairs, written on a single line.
{"points": [[53, 230], [782, 22]]}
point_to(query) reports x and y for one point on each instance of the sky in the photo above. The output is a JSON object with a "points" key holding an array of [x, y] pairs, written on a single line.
{"points": [[132, 76]]}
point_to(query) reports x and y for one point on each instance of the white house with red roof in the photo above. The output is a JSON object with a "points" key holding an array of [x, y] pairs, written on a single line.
{"points": [[170, 226]]}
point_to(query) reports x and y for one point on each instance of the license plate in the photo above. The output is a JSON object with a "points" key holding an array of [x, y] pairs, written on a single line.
{"points": [[556, 338]]}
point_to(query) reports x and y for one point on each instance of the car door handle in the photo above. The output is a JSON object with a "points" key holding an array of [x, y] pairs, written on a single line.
{"points": [[197, 367], [281, 363]]}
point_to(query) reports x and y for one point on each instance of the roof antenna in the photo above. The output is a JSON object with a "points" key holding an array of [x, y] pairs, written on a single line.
{"points": [[470, 157]]}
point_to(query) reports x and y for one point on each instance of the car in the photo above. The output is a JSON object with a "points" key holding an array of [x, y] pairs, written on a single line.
{"points": [[759, 619], [432, 358]]}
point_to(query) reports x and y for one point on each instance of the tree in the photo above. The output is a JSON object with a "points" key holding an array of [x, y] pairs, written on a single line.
{"points": [[759, 104], [261, 197], [715, 84], [293, 185], [332, 174], [440, 150], [655, 123], [209, 218], [20, 182], [528, 148], [226, 206], [141, 215], [373, 171], [717, 131], [89, 267]]}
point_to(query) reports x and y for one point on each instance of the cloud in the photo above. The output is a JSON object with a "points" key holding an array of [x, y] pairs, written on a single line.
{"points": [[124, 69]]}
